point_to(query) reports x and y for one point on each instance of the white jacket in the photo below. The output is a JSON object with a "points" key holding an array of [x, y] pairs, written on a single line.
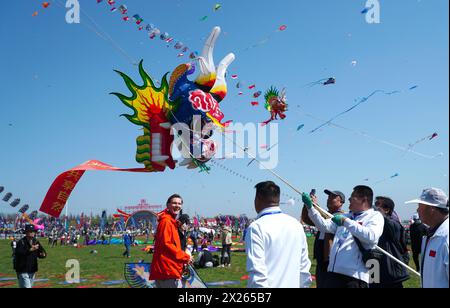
{"points": [[277, 252], [435, 259], [345, 256]]}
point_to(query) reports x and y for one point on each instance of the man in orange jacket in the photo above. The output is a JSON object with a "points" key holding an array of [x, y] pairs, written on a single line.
{"points": [[168, 258]]}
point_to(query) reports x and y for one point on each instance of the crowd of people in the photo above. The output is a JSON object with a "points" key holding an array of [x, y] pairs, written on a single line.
{"points": [[363, 248], [366, 247]]}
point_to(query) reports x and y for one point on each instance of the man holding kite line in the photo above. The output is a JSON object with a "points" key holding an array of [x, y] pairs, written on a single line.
{"points": [[356, 231]]}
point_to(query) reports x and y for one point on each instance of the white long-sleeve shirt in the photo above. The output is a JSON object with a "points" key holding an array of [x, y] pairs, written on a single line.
{"points": [[345, 255], [435, 259], [277, 252]]}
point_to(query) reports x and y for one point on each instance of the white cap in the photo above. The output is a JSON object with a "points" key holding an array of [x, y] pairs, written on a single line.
{"points": [[433, 197]]}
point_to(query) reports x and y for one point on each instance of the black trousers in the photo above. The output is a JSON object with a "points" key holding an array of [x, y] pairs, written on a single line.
{"points": [[397, 285], [321, 274], [338, 281], [416, 260], [226, 249]]}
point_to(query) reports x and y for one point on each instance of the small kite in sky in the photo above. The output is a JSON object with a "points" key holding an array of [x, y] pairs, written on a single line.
{"points": [[123, 9], [430, 137], [324, 82], [434, 135], [257, 94], [300, 127], [217, 7], [389, 178]]}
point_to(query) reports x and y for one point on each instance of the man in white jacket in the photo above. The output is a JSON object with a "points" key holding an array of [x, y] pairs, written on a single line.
{"points": [[347, 268], [433, 211], [276, 246]]}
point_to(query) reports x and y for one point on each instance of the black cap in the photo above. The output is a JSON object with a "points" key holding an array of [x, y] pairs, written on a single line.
{"points": [[184, 219], [335, 193], [30, 228]]}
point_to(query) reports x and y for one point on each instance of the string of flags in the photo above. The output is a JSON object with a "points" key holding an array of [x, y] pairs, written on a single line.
{"points": [[152, 30]]}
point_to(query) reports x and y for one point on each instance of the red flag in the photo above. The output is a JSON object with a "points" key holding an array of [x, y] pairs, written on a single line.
{"points": [[64, 184]]}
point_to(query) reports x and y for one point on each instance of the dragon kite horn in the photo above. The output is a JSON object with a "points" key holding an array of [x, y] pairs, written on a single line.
{"points": [[220, 86]]}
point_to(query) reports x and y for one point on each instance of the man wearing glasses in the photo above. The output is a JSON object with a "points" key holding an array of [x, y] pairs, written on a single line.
{"points": [[347, 268]]}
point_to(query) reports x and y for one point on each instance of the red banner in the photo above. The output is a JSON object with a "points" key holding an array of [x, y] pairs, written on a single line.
{"points": [[56, 198]]}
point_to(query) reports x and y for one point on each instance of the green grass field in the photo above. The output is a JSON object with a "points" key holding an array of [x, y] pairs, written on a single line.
{"points": [[108, 265]]}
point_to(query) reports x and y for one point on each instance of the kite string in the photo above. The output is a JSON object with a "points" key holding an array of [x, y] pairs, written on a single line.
{"points": [[96, 29], [398, 147], [362, 100], [245, 150]]}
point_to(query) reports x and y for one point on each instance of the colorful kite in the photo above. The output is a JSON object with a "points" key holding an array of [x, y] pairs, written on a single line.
{"points": [[155, 110], [275, 104]]}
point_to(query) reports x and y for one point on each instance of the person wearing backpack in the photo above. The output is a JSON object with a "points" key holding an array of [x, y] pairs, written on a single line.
{"points": [[393, 240]]}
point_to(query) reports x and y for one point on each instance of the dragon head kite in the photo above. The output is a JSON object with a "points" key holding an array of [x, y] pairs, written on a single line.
{"points": [[158, 109]]}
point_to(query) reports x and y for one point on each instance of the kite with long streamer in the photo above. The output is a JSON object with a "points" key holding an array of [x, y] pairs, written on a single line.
{"points": [[359, 102], [429, 138]]}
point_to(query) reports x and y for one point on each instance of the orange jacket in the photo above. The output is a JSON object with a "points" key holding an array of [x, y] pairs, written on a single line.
{"points": [[168, 258]]}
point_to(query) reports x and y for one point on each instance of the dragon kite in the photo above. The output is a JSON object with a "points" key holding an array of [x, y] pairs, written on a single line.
{"points": [[162, 112]]}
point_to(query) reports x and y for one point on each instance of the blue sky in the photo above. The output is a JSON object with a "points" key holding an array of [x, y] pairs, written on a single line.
{"points": [[56, 111]]}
